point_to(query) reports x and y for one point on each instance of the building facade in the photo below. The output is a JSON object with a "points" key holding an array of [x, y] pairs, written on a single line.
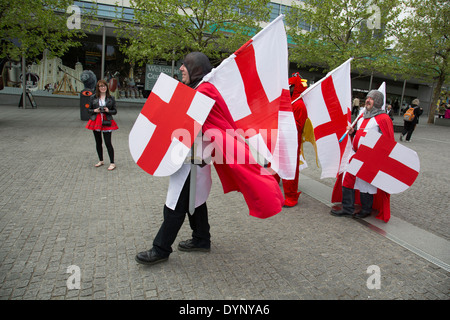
{"points": [[100, 53], [52, 71]]}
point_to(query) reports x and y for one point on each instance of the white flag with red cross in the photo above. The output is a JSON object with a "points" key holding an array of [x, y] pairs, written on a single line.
{"points": [[382, 89], [254, 84], [167, 125], [384, 163], [328, 102]]}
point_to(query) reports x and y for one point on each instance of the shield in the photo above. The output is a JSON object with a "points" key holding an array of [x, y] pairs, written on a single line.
{"points": [[384, 163], [167, 125]]}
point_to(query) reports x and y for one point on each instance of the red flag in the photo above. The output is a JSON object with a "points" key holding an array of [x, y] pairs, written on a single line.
{"points": [[234, 163]]}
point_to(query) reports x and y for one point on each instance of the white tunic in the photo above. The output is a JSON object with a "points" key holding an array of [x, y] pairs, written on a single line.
{"points": [[371, 125], [203, 183]]}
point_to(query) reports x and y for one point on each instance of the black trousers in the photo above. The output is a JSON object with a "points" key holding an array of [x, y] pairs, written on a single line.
{"points": [[408, 128], [173, 220], [99, 147]]}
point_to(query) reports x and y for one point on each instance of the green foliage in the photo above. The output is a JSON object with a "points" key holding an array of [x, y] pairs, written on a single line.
{"points": [[423, 39], [423, 43], [343, 29], [169, 29], [27, 27]]}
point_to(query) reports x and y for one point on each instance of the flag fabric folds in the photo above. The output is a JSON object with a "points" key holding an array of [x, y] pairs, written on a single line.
{"points": [[328, 103], [253, 82], [234, 163]]}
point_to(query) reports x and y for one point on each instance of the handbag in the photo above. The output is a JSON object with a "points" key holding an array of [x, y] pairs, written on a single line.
{"points": [[105, 121]]}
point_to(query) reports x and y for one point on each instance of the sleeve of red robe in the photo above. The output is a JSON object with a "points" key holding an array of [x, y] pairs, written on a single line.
{"points": [[382, 200]]}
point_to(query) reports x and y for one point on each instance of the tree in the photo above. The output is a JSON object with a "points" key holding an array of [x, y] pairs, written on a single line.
{"points": [[169, 29], [341, 30], [423, 44], [27, 27]]}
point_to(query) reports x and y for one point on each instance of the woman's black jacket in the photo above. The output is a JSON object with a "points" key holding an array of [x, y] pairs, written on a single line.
{"points": [[110, 103]]}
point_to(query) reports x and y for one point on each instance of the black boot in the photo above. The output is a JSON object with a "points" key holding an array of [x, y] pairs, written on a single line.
{"points": [[366, 205], [190, 245], [348, 200], [149, 257]]}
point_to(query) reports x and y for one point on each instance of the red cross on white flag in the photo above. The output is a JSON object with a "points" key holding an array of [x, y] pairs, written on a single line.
{"points": [[328, 103], [165, 129], [382, 162], [254, 83]]}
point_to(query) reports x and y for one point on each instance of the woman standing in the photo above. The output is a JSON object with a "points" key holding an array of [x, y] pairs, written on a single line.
{"points": [[101, 108]]}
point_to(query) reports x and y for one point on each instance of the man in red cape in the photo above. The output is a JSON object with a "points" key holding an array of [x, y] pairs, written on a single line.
{"points": [[373, 118]]}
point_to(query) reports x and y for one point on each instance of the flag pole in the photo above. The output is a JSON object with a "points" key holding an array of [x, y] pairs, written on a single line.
{"points": [[352, 125], [192, 184], [362, 112], [193, 178], [320, 81]]}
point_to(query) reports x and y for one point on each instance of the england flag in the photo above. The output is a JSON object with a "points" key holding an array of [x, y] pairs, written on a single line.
{"points": [[328, 102], [254, 83], [167, 125], [396, 166]]}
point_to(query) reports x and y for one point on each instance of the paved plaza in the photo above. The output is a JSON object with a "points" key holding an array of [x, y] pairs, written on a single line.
{"points": [[63, 220]]}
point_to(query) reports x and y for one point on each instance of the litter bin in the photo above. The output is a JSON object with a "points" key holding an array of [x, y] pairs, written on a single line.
{"points": [[85, 96]]}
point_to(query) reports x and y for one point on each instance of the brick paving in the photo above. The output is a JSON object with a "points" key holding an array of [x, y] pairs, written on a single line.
{"points": [[57, 210]]}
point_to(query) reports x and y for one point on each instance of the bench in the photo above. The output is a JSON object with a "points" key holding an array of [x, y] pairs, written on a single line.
{"points": [[442, 122]]}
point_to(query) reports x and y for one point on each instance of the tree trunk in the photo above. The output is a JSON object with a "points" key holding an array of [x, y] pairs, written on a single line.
{"points": [[24, 83], [436, 94]]}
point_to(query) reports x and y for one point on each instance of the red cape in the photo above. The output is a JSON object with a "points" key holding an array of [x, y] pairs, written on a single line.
{"points": [[381, 200], [259, 188]]}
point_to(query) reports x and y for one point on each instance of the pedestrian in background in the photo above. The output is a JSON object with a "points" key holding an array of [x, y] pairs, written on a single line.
{"points": [[355, 106], [447, 112], [390, 112], [441, 110], [411, 119], [102, 106]]}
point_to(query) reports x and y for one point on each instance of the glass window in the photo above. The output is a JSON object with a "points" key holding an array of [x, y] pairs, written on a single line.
{"points": [[274, 10]]}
